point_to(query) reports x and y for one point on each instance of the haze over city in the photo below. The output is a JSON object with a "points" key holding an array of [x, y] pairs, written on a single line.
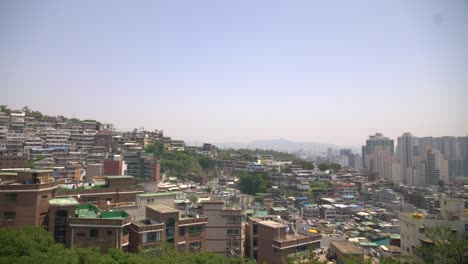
{"points": [[213, 71]]}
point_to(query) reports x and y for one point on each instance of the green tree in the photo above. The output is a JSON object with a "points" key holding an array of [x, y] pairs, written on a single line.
{"points": [[252, 183], [329, 166], [206, 162], [5, 109], [26, 109], [446, 247], [307, 165]]}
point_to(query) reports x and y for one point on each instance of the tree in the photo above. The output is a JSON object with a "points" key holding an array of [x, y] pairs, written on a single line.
{"points": [[35, 245], [26, 109], [329, 166], [307, 165], [252, 183], [441, 183], [206, 162], [5, 109], [445, 246]]}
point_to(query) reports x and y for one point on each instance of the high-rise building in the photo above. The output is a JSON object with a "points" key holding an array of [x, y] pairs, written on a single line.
{"points": [[429, 168], [405, 153], [374, 141]]}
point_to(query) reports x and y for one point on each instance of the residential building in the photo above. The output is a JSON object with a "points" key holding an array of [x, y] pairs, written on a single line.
{"points": [[85, 225], [346, 250], [24, 197], [277, 241], [374, 141], [185, 230], [12, 161], [413, 226], [225, 230]]}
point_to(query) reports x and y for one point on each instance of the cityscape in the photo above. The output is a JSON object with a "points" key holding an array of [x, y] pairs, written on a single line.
{"points": [[90, 185], [237, 132]]}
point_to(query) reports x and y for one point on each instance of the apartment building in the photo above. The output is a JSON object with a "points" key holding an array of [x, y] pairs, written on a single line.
{"points": [[85, 225], [31, 143], [146, 234], [115, 190], [225, 230], [24, 197], [413, 226], [17, 121], [185, 230], [276, 241], [310, 211], [12, 161], [14, 142], [55, 137], [328, 212]]}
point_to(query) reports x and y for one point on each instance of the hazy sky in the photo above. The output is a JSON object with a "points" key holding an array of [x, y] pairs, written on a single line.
{"points": [[321, 71]]}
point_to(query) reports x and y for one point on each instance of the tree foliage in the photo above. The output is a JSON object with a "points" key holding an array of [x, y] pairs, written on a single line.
{"points": [[329, 166], [447, 247], [174, 163], [252, 183], [35, 245], [307, 165], [5, 109], [250, 154]]}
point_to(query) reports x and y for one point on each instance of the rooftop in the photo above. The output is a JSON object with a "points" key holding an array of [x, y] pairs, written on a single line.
{"points": [[346, 247], [162, 208], [150, 194], [91, 211], [272, 224], [63, 201]]}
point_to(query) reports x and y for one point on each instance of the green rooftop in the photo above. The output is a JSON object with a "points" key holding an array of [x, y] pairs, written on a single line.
{"points": [[63, 201], [91, 211]]}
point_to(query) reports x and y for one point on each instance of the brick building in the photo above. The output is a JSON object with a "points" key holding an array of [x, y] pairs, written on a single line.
{"points": [[24, 197], [225, 230], [12, 161], [185, 230]]}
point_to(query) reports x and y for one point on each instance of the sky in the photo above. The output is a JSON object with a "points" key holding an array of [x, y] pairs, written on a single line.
{"points": [[237, 71]]}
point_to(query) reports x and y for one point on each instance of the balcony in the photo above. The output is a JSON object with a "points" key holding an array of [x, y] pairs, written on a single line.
{"points": [[294, 240]]}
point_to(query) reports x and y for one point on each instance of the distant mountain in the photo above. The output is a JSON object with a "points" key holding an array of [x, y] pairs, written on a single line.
{"points": [[285, 145]]}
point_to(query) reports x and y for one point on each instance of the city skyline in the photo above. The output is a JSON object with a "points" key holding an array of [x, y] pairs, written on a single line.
{"points": [[220, 72]]}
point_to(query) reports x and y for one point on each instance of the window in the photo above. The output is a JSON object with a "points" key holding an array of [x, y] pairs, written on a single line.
{"points": [[234, 220], [181, 247], [93, 232], [421, 230], [10, 197], [151, 237], [232, 244], [125, 231], [195, 246], [195, 229], [109, 233], [181, 231], [9, 216], [233, 232]]}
